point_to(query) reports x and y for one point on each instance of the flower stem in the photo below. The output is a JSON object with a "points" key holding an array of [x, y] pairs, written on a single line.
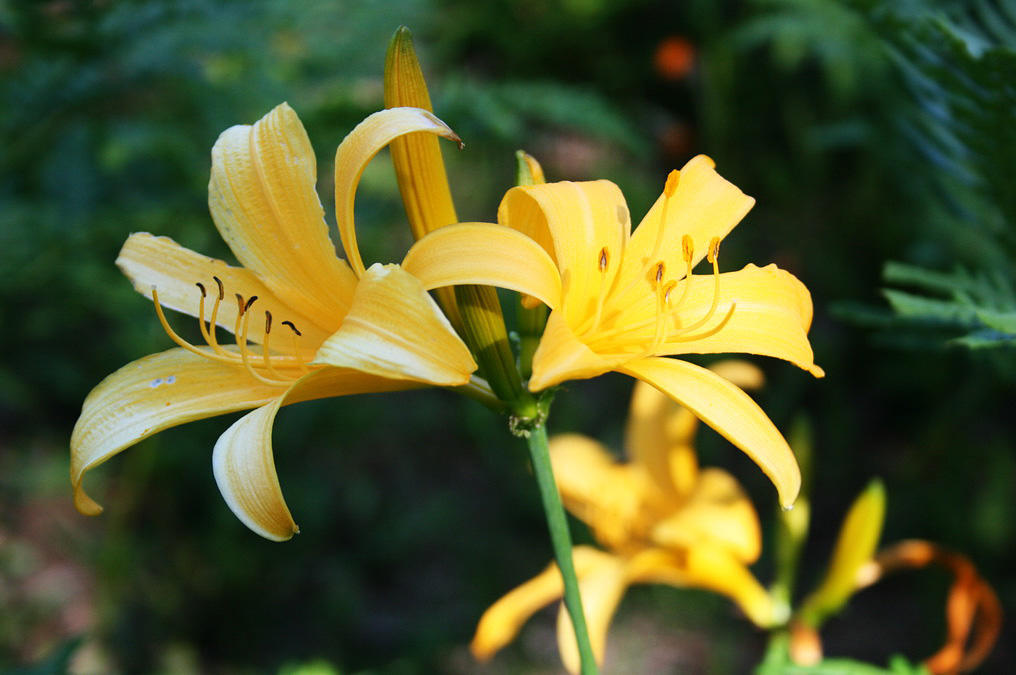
{"points": [[561, 540]]}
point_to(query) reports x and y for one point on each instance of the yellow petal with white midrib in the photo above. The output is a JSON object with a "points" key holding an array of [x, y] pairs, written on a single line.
{"points": [[148, 260], [263, 200], [243, 460], [149, 395], [394, 329]]}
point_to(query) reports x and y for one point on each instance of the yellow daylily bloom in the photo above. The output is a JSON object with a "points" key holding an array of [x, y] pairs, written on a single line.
{"points": [[661, 517], [307, 324], [622, 301]]}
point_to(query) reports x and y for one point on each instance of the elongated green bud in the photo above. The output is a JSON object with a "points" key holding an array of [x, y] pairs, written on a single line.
{"points": [[419, 166], [855, 546], [532, 314]]}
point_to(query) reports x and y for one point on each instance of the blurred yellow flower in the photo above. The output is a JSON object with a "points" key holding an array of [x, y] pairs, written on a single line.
{"points": [[662, 518], [328, 327], [620, 300]]}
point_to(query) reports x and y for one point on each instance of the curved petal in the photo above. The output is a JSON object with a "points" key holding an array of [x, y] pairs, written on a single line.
{"points": [[718, 511], [583, 226], [151, 394], [562, 356], [710, 567], [175, 271], [243, 461], [659, 438], [356, 151], [729, 411], [487, 255], [395, 330], [501, 622], [602, 588], [772, 316], [605, 495], [263, 201], [705, 205]]}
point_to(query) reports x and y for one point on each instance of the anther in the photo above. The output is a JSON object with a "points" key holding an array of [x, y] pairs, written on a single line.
{"points": [[667, 289], [239, 308], [604, 259], [714, 250], [250, 302], [222, 290], [661, 267], [204, 293], [268, 322], [292, 327], [687, 248], [672, 180]]}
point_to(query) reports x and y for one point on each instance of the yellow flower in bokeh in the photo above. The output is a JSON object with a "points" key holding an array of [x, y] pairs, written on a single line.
{"points": [[307, 324], [661, 517], [623, 301]]}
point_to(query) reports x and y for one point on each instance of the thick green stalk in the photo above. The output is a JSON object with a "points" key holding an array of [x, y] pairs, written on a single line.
{"points": [[560, 537]]}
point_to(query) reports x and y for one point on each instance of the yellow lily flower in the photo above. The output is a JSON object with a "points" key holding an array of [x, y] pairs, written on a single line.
{"points": [[662, 518], [620, 300], [328, 327]]}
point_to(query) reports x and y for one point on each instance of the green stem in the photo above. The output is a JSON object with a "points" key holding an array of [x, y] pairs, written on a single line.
{"points": [[560, 537]]}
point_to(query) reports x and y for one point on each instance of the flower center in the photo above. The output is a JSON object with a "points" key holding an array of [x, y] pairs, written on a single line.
{"points": [[272, 369], [629, 338]]}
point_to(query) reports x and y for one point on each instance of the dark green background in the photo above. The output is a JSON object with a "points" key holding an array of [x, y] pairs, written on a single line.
{"points": [[417, 510]]}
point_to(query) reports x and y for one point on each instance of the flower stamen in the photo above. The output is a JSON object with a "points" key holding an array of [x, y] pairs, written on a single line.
{"points": [[603, 265], [179, 340]]}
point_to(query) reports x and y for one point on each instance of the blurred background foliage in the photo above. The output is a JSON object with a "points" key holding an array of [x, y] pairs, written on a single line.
{"points": [[869, 131]]}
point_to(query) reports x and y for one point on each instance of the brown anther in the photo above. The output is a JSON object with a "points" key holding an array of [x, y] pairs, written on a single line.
{"points": [[667, 289], [249, 303], [204, 294], [292, 327], [660, 269], [268, 322], [672, 180], [687, 248], [714, 249], [239, 304], [604, 261], [222, 290]]}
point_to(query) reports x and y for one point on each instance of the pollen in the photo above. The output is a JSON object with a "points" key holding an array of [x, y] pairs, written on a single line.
{"points": [[687, 248], [714, 250], [672, 180]]}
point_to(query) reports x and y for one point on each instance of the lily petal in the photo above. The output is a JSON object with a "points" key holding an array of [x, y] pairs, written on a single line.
{"points": [[154, 393], [487, 255], [717, 511], [576, 223], [659, 438], [502, 621], [243, 461], [729, 411], [705, 566], [263, 200], [705, 205], [395, 329], [356, 151], [772, 316], [605, 495], [562, 356], [602, 588], [149, 261]]}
